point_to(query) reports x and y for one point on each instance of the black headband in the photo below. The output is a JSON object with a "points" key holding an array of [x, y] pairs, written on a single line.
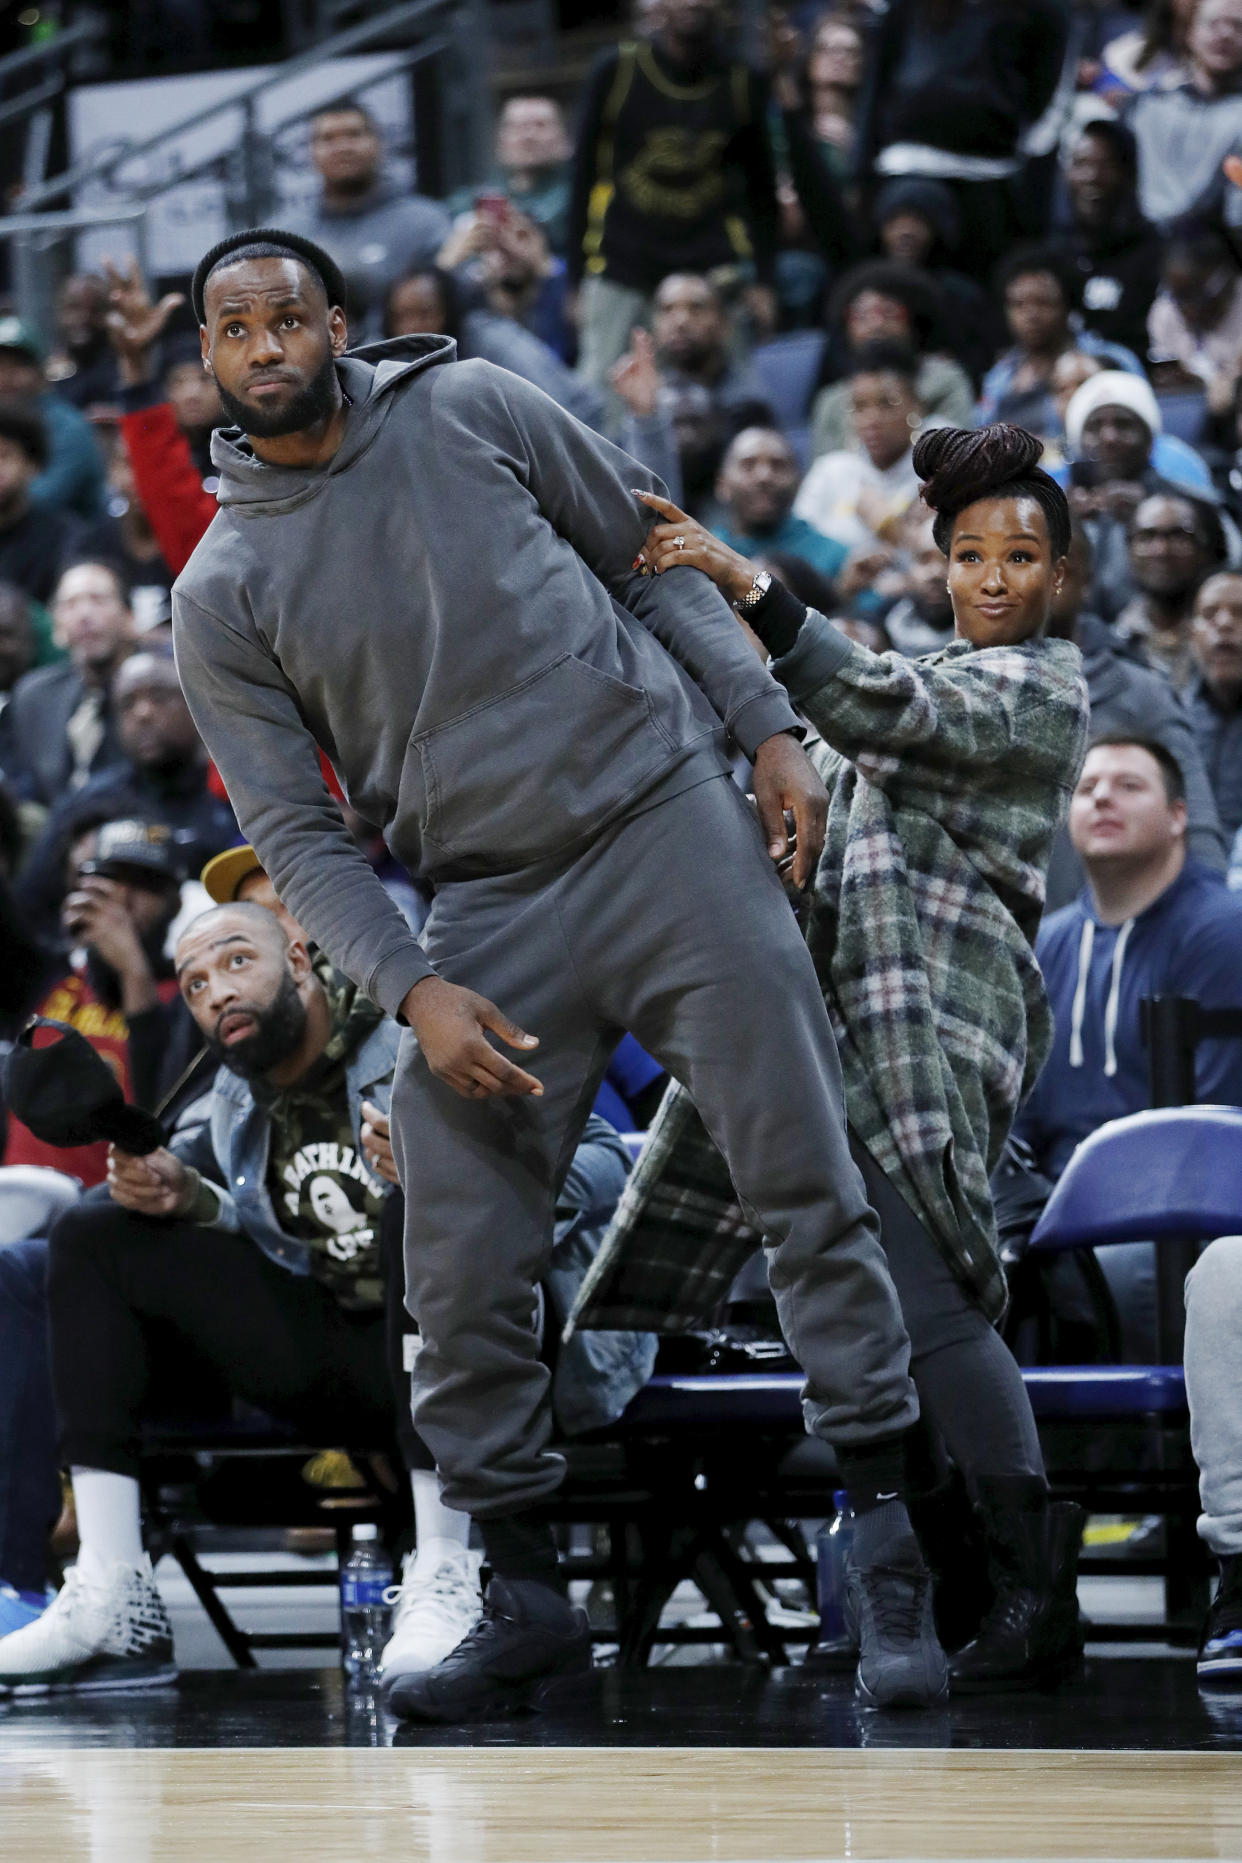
{"points": [[325, 268]]}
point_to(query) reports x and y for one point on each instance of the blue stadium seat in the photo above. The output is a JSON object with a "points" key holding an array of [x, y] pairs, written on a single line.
{"points": [[737, 1400], [1175, 1172], [788, 367], [1104, 1393], [1171, 1176]]}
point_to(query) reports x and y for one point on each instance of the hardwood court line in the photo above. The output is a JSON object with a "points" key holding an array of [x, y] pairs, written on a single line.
{"points": [[591, 1805]]}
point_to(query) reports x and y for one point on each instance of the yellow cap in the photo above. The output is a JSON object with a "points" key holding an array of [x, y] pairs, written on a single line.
{"points": [[223, 875]]}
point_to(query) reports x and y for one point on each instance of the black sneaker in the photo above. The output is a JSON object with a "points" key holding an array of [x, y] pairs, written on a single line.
{"points": [[1220, 1652], [527, 1637], [888, 1606]]}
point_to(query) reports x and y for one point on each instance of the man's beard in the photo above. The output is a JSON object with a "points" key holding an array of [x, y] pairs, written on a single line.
{"points": [[278, 1030], [315, 403]]}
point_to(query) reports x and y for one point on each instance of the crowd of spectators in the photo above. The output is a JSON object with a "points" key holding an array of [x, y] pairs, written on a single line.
{"points": [[764, 277]]}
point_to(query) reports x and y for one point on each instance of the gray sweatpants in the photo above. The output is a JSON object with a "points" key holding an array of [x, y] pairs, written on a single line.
{"points": [[1213, 1359], [673, 925]]}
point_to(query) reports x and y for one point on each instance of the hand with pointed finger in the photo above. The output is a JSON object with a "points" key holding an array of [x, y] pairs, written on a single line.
{"points": [[785, 779], [134, 323], [681, 542], [452, 1026], [636, 378]]}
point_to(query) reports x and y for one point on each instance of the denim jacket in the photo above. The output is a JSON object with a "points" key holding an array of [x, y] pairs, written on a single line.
{"points": [[596, 1373], [231, 1151]]}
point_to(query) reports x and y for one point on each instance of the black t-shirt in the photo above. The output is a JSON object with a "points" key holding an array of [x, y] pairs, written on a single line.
{"points": [[33, 551], [323, 1191], [149, 577]]}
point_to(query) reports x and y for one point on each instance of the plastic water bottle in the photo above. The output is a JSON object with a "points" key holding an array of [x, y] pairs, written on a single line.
{"points": [[834, 1647], [365, 1577]]}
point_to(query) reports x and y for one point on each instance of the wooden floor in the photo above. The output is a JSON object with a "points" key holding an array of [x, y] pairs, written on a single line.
{"points": [[665, 1805]]}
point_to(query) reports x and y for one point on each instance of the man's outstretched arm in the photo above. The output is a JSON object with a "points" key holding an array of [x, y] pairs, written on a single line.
{"points": [[247, 714]]}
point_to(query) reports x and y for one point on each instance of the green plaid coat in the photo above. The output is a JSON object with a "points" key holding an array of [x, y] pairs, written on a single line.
{"points": [[949, 777]]}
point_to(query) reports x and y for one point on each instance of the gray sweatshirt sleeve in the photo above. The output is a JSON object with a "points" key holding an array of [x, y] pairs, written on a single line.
{"points": [[585, 488], [247, 715]]}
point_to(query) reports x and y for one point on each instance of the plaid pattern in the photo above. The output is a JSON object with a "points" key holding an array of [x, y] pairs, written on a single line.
{"points": [[922, 926]]}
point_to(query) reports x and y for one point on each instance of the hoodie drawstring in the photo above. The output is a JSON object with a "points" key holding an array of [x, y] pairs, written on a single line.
{"points": [[1114, 998], [1085, 944]]}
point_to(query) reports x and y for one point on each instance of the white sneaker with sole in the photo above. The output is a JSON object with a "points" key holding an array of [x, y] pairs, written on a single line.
{"points": [[106, 1629], [436, 1605]]}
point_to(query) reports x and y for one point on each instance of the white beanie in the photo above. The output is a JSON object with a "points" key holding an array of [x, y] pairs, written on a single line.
{"points": [[1111, 388]]}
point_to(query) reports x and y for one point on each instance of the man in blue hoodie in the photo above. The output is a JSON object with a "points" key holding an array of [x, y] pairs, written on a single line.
{"points": [[1149, 922]]}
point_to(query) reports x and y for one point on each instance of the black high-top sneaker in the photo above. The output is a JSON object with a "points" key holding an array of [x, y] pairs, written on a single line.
{"points": [[888, 1607], [527, 1636], [1031, 1635], [1220, 1651]]}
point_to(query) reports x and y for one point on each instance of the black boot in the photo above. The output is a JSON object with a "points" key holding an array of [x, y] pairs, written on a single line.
{"points": [[953, 1545], [1031, 1634]]}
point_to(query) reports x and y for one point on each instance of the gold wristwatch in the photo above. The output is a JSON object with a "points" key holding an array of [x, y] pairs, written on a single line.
{"points": [[756, 592]]}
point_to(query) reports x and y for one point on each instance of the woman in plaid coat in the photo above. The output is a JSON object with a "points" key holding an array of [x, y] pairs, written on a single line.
{"points": [[949, 777]]}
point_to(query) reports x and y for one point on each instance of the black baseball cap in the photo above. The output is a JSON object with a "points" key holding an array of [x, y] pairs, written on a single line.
{"points": [[320, 262], [139, 851], [56, 1084]]}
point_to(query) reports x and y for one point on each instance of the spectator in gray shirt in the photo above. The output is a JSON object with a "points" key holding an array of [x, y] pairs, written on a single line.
{"points": [[375, 230], [1184, 134]]}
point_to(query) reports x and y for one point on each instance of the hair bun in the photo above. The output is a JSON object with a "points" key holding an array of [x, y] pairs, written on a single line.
{"points": [[960, 464]]}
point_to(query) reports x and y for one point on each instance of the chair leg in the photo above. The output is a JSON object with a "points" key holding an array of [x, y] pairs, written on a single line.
{"points": [[202, 1584], [739, 1621], [666, 1556], [744, 1580]]}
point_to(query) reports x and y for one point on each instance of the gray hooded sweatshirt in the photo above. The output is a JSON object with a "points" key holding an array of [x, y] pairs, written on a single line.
{"points": [[448, 609]]}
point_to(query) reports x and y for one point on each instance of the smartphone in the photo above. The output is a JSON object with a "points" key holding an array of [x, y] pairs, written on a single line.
{"points": [[1085, 474], [493, 207]]}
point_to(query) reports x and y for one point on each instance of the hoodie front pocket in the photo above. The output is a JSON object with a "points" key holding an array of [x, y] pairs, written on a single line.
{"points": [[530, 772]]}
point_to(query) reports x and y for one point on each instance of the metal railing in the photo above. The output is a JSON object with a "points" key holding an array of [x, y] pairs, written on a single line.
{"points": [[452, 31]]}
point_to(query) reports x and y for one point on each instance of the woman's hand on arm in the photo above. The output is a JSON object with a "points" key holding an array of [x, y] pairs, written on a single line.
{"points": [[681, 542]]}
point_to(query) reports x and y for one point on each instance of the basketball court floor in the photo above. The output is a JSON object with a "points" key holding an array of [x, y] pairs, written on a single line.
{"points": [[685, 1762], [679, 1765]]}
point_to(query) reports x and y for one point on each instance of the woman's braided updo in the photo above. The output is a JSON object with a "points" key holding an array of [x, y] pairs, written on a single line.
{"points": [[960, 465]]}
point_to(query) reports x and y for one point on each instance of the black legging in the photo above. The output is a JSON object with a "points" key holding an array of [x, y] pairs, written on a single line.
{"points": [[122, 1286], [969, 1384]]}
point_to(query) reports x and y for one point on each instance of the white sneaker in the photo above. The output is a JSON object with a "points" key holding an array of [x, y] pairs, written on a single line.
{"points": [[436, 1605], [106, 1629]]}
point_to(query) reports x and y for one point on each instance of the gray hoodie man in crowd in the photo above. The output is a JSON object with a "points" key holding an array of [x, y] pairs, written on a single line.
{"points": [[426, 569], [376, 230]]}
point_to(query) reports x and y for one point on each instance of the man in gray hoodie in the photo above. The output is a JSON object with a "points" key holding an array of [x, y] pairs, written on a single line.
{"points": [[426, 569], [376, 230]]}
